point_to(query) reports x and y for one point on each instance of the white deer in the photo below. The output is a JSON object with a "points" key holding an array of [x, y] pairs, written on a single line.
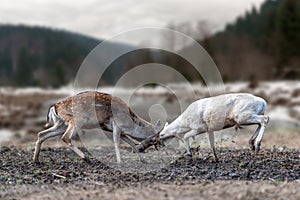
{"points": [[217, 113], [90, 110]]}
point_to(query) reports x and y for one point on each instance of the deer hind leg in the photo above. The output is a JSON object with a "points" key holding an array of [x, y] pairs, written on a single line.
{"points": [[252, 139], [264, 123], [67, 137], [211, 138], [56, 130]]}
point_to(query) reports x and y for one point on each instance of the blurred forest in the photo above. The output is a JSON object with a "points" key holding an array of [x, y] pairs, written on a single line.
{"points": [[40, 56], [263, 44]]}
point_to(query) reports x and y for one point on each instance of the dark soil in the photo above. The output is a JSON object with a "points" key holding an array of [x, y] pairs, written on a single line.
{"points": [[61, 174], [60, 166]]}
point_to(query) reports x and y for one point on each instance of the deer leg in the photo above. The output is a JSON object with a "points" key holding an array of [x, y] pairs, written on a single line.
{"points": [[252, 139], [211, 138], [51, 129], [261, 120], [186, 138], [264, 123], [116, 137], [55, 130], [67, 137], [130, 142]]}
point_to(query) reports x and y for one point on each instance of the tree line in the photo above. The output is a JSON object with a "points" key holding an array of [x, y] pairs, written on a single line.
{"points": [[263, 44], [37, 56]]}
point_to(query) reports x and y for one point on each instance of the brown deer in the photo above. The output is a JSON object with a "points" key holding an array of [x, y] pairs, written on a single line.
{"points": [[90, 110]]}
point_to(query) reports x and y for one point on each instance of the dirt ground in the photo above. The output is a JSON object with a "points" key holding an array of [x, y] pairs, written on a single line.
{"points": [[239, 174]]}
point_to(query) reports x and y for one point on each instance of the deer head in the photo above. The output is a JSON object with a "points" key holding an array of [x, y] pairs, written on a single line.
{"points": [[153, 139]]}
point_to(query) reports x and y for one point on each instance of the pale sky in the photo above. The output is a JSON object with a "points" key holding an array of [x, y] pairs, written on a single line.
{"points": [[104, 18]]}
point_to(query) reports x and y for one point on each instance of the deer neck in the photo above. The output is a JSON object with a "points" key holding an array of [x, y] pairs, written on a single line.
{"points": [[178, 126], [140, 128]]}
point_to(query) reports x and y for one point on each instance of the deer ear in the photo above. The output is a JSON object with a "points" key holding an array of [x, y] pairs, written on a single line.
{"points": [[166, 124], [159, 127]]}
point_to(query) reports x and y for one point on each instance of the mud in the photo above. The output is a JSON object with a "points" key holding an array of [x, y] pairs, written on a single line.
{"points": [[60, 168]]}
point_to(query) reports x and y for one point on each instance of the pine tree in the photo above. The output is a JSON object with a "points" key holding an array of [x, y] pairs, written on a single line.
{"points": [[289, 30], [24, 76]]}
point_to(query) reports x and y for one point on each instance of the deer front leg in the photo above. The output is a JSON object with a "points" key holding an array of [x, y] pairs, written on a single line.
{"points": [[55, 130], [186, 138], [211, 138], [116, 137], [135, 150], [130, 142]]}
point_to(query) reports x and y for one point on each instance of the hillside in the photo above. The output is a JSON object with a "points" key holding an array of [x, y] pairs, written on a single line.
{"points": [[40, 56], [262, 44], [36, 56]]}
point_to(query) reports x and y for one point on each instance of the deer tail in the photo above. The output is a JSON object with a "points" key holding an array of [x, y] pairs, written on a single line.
{"points": [[51, 117]]}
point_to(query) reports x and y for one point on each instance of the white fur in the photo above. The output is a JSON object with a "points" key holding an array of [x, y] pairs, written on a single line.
{"points": [[216, 113], [52, 117]]}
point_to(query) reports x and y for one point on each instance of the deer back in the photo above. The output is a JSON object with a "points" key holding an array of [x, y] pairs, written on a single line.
{"points": [[91, 109]]}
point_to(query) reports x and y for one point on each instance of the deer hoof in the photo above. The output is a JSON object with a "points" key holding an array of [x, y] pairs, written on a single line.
{"points": [[188, 157], [257, 150], [252, 146], [36, 162], [87, 160]]}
